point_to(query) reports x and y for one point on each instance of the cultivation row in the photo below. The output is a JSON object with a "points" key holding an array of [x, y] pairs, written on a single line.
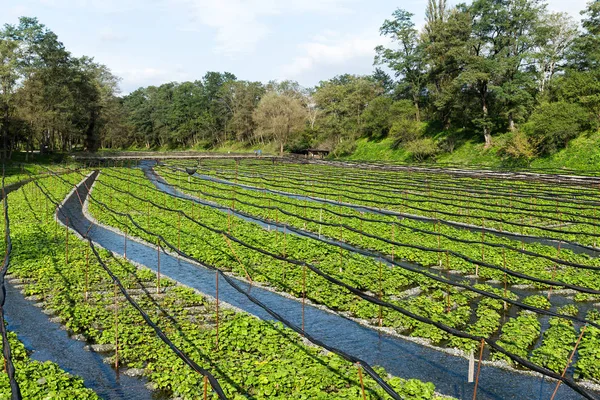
{"points": [[548, 217], [431, 302], [253, 358], [405, 240]]}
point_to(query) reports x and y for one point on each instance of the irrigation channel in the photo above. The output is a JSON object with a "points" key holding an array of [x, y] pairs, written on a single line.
{"points": [[48, 341], [574, 247], [399, 356]]}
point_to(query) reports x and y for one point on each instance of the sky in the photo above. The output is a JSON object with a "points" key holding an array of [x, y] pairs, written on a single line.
{"points": [[150, 42]]}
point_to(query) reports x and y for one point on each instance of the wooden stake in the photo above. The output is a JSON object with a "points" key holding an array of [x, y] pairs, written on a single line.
{"points": [[67, 242], [116, 328], [504, 263], [125, 245], [478, 369], [569, 362], [380, 293], [303, 292], [362, 384], [205, 387], [217, 307], [157, 266], [87, 267]]}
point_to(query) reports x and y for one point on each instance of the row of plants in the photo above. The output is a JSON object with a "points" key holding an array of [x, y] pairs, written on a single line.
{"points": [[562, 199], [261, 205], [557, 224], [520, 333], [436, 302], [532, 207], [253, 358], [213, 248]]}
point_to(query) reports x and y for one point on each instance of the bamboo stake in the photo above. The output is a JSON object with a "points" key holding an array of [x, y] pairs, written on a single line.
{"points": [[478, 369], [205, 387], [217, 307], [303, 292], [67, 242], [116, 328], [157, 266], [87, 267], [362, 384], [504, 263], [380, 293], [569, 362], [237, 258], [125, 245]]}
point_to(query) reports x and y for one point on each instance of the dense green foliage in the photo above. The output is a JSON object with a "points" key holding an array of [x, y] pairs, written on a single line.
{"points": [[473, 72], [254, 358]]}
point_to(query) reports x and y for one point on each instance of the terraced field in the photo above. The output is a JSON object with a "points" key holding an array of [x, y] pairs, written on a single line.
{"points": [[335, 282]]}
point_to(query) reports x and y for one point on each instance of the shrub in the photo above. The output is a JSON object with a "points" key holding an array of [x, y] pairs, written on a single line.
{"points": [[405, 130], [422, 149], [519, 147], [554, 124]]}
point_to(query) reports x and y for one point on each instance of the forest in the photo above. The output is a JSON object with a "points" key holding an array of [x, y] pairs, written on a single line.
{"points": [[473, 71]]}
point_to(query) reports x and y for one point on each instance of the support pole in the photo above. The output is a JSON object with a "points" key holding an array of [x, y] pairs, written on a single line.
{"points": [[478, 369], [217, 307], [569, 362]]}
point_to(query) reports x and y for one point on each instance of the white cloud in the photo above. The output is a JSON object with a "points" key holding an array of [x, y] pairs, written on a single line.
{"points": [[239, 24], [109, 35], [135, 77], [332, 49]]}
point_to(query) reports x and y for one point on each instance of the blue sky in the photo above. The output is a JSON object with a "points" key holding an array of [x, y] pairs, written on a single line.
{"points": [[149, 42]]}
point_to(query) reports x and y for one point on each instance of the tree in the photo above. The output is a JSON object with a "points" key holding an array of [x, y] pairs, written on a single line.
{"points": [[555, 35], [408, 60], [279, 117]]}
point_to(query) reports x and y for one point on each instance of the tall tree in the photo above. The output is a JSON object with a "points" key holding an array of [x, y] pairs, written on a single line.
{"points": [[407, 60], [280, 117]]}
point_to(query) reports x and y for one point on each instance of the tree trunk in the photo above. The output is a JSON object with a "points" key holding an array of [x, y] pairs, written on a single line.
{"points": [[487, 135], [281, 149], [417, 111], [511, 123]]}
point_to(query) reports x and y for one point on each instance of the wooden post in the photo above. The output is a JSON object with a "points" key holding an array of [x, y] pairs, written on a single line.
{"points": [[125, 244], [284, 241], [380, 293], [362, 384], [303, 292], [116, 304], [157, 266], [393, 239], [569, 361], [447, 286], [205, 387], [554, 269], [478, 369], [504, 263], [320, 221], [341, 253], [87, 267], [67, 242], [217, 307]]}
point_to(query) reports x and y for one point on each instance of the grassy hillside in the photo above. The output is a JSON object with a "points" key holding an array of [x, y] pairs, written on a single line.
{"points": [[582, 153]]}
